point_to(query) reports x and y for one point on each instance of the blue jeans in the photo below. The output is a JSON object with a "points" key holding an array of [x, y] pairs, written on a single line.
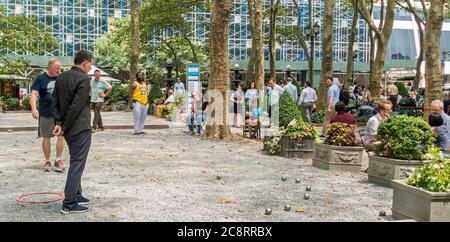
{"points": [[198, 122]]}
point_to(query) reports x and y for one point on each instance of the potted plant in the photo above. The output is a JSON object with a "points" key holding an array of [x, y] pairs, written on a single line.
{"points": [[271, 140], [2, 105], [425, 196], [297, 139], [339, 151], [403, 143]]}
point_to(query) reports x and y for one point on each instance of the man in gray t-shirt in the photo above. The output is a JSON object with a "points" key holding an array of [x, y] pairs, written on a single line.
{"points": [[99, 90]]}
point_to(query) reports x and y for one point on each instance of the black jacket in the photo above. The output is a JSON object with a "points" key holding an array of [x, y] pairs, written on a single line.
{"points": [[71, 101]]}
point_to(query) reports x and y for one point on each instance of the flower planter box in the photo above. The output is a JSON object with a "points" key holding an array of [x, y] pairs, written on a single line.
{"points": [[383, 171], [152, 109], [266, 139], [293, 148], [410, 202], [345, 158]]}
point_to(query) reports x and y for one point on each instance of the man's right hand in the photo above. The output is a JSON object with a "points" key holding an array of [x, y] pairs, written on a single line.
{"points": [[57, 131], [35, 114]]}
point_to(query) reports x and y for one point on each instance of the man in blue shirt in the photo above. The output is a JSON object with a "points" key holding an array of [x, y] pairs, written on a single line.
{"points": [[178, 87], [43, 88], [332, 99], [291, 89]]}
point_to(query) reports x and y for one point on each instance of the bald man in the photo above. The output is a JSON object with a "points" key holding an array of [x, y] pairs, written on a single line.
{"points": [[43, 87], [437, 106]]}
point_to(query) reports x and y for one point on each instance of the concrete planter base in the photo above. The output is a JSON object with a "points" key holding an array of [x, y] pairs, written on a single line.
{"points": [[414, 203], [345, 158], [293, 148], [383, 170], [266, 139]]}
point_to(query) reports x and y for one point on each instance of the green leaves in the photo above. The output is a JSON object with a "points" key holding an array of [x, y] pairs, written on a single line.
{"points": [[25, 35], [340, 134], [404, 137], [299, 129], [435, 176], [288, 110]]}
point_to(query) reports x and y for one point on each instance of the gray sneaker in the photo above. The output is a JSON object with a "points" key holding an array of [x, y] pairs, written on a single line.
{"points": [[75, 209], [59, 166]]}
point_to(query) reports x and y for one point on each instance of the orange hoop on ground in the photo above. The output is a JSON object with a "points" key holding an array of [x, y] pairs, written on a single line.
{"points": [[19, 198]]}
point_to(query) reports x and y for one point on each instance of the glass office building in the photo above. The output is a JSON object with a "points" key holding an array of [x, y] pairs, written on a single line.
{"points": [[76, 24]]}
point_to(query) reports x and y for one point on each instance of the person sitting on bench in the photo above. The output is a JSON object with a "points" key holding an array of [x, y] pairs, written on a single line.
{"points": [[252, 118], [384, 109], [197, 113]]}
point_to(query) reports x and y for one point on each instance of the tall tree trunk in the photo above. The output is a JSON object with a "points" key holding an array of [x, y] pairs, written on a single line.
{"points": [[382, 35], [134, 61], [251, 60], [273, 18], [219, 65], [433, 75], [419, 59], [327, 52], [351, 41], [257, 36]]}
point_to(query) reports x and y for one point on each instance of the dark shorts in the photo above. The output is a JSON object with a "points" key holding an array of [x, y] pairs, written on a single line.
{"points": [[45, 128]]}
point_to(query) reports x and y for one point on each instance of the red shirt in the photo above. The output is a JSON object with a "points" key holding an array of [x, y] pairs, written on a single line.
{"points": [[343, 118]]}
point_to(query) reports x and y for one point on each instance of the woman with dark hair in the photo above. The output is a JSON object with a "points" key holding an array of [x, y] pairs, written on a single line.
{"points": [[251, 95], [440, 132], [342, 116], [237, 99]]}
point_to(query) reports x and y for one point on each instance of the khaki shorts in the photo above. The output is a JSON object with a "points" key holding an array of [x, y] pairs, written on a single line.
{"points": [[46, 126]]}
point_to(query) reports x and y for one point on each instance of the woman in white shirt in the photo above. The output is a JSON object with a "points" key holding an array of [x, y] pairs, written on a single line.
{"points": [[251, 95]]}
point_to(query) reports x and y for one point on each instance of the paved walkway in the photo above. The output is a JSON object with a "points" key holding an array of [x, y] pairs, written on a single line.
{"points": [[24, 119], [168, 175]]}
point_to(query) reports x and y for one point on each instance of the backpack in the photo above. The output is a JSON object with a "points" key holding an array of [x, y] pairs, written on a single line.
{"points": [[344, 96], [407, 102]]}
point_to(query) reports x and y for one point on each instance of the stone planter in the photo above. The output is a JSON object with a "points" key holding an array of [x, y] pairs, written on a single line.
{"points": [[152, 109], [345, 158], [410, 202], [293, 148], [383, 170], [266, 139]]}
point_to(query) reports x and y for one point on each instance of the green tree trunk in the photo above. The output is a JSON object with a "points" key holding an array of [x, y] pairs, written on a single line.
{"points": [[134, 60], [433, 75], [273, 17], [328, 53], [257, 36], [219, 65], [351, 41]]}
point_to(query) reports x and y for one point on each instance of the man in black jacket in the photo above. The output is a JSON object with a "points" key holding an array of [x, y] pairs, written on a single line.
{"points": [[72, 119]]}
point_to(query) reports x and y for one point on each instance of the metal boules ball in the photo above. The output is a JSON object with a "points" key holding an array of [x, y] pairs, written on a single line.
{"points": [[382, 213], [283, 178], [297, 180], [268, 211], [306, 196], [308, 188], [287, 208], [218, 177]]}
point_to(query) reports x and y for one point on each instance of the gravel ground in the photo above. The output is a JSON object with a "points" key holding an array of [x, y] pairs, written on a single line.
{"points": [[167, 175]]}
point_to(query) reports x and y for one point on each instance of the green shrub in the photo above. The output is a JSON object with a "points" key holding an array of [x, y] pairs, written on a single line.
{"points": [[318, 117], [363, 118], [288, 110], [155, 92], [434, 176], [120, 93], [26, 103], [340, 134], [402, 89], [13, 104], [403, 137]]}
